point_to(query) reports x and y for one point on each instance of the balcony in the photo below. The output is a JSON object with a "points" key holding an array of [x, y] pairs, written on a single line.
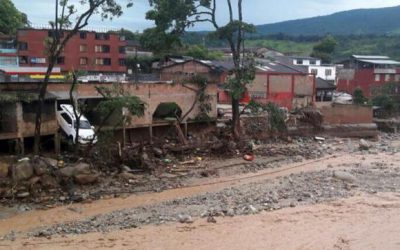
{"points": [[8, 51], [385, 71]]}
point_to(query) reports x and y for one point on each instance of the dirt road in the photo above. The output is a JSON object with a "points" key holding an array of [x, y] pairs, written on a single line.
{"points": [[342, 201]]}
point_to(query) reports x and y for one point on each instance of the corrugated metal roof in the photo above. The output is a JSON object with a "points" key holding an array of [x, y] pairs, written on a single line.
{"points": [[390, 62], [370, 57]]}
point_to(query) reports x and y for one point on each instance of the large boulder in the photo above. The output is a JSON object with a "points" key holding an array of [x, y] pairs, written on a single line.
{"points": [[4, 169], [48, 181], [344, 176], [72, 171], [85, 179], [22, 170], [40, 167]]}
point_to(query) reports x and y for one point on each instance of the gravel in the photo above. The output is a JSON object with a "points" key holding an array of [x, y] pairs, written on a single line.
{"points": [[269, 195]]}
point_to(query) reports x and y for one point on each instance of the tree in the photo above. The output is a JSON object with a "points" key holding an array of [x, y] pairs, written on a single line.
{"points": [[325, 49], [172, 18], [72, 20], [10, 18], [358, 97], [202, 53]]}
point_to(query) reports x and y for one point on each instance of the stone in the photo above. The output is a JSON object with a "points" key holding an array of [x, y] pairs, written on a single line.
{"points": [[48, 181], [67, 172], [51, 162], [253, 209], [158, 152], [230, 212], [344, 176], [4, 169], [34, 180], [185, 219], [22, 170], [39, 166], [82, 168], [23, 195], [72, 171], [127, 176], [85, 179], [364, 145], [211, 219]]}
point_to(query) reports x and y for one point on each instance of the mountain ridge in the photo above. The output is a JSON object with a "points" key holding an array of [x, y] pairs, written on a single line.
{"points": [[358, 21]]}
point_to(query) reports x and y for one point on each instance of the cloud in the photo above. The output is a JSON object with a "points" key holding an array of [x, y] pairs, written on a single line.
{"points": [[255, 11]]}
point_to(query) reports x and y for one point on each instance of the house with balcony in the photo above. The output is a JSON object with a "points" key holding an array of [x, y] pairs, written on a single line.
{"points": [[367, 72], [311, 65]]}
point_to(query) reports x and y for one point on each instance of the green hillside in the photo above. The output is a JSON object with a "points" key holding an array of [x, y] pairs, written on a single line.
{"points": [[353, 22]]}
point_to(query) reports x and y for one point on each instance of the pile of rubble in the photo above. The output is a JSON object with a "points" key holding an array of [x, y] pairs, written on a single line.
{"points": [[33, 177]]}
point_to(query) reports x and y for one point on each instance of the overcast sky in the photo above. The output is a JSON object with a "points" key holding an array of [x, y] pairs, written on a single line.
{"points": [[255, 11]]}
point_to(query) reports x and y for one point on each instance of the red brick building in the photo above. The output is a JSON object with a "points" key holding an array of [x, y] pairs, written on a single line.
{"points": [[87, 50], [366, 73]]}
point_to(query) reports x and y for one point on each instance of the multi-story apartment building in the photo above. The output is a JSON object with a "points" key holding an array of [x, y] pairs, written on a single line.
{"points": [[87, 50]]}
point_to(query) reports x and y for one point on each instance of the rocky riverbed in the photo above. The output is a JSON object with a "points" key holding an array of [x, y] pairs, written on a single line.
{"points": [[269, 195]]}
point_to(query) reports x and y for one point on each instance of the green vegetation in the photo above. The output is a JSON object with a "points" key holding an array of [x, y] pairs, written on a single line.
{"points": [[325, 49], [358, 97], [10, 18], [202, 53], [283, 46], [386, 97]]}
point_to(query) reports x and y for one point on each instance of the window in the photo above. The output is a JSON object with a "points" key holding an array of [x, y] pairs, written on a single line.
{"points": [[103, 61], [61, 60], [66, 118], [122, 62], [23, 59], [83, 61], [106, 61], [83, 48], [314, 71], [377, 77], [83, 35], [313, 62], [387, 77], [397, 78], [102, 49], [328, 72], [52, 33], [105, 48], [23, 46], [99, 61], [102, 36], [299, 61], [122, 49]]}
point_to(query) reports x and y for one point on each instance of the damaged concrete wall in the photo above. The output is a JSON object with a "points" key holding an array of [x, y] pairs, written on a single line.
{"points": [[26, 126], [347, 114], [8, 118]]}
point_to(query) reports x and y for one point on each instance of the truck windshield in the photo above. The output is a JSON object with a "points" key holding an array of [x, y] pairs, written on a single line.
{"points": [[83, 124]]}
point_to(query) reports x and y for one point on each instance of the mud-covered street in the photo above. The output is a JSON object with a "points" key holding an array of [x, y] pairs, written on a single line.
{"points": [[346, 196]]}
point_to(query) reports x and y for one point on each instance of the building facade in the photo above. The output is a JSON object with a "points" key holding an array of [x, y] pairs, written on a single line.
{"points": [[366, 73], [87, 51]]}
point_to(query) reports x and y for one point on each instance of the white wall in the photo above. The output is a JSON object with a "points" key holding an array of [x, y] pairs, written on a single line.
{"points": [[323, 71], [306, 62]]}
